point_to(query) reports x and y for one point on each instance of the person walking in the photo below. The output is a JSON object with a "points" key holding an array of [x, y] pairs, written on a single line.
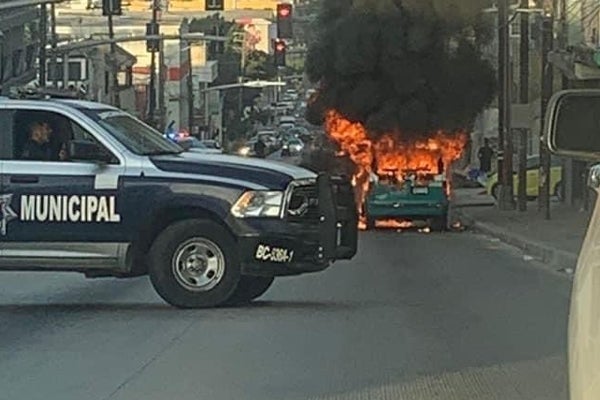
{"points": [[485, 156]]}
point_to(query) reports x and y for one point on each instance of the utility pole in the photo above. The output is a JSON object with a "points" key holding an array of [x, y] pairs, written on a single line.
{"points": [[54, 44], [161, 86], [65, 70], [190, 88], [505, 170], [152, 88], [242, 73], [568, 174], [524, 99], [43, 43], [114, 80], [547, 89], [564, 37]]}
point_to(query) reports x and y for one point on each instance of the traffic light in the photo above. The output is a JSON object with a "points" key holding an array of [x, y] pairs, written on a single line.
{"points": [[284, 21], [111, 7], [279, 48], [152, 28]]}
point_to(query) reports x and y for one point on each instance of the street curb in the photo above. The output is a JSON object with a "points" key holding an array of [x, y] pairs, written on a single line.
{"points": [[552, 257]]}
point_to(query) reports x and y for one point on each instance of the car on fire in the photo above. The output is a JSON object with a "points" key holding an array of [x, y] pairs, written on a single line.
{"points": [[411, 195]]}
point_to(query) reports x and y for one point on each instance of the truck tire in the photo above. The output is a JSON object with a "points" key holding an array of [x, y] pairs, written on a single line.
{"points": [[194, 264], [439, 224], [369, 221], [250, 288]]}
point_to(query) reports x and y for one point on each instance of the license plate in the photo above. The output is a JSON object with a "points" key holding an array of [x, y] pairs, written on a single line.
{"points": [[274, 254], [420, 190]]}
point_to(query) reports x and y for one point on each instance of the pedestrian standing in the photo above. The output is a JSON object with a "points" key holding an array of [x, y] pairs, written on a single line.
{"points": [[485, 155]]}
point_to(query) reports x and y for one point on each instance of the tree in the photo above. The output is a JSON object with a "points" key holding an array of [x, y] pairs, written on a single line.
{"points": [[259, 65]]}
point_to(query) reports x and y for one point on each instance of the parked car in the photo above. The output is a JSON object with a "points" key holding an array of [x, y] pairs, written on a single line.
{"points": [[212, 144], [287, 119], [247, 150], [194, 145], [533, 179], [269, 138], [286, 126]]}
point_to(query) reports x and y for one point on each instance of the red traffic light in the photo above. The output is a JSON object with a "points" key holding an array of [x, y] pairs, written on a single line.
{"points": [[284, 10]]}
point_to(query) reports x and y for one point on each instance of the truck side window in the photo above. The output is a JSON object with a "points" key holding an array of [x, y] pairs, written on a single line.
{"points": [[6, 118], [27, 125], [59, 130]]}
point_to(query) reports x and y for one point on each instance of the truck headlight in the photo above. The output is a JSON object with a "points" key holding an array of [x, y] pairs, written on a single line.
{"points": [[258, 204]]}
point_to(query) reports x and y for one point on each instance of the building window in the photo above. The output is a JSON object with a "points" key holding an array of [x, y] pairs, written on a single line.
{"points": [[30, 56], [214, 5], [16, 62], [74, 74]]}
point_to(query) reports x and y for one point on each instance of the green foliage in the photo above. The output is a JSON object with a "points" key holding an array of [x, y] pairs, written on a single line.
{"points": [[259, 65]]}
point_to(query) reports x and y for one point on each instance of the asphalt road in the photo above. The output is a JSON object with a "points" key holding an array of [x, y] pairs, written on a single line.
{"points": [[414, 316]]}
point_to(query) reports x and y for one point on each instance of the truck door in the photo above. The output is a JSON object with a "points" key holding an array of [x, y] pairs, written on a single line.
{"points": [[58, 210], [5, 133]]}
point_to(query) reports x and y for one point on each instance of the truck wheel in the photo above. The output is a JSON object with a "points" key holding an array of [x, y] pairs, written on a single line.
{"points": [[440, 224], [250, 288], [370, 223], [194, 264]]}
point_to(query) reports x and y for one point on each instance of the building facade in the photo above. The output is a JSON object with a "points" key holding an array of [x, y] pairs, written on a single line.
{"points": [[178, 5], [19, 45]]}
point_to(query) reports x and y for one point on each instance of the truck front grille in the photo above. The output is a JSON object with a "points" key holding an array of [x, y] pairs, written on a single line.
{"points": [[304, 204]]}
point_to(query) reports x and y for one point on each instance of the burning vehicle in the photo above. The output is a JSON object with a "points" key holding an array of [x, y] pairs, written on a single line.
{"points": [[399, 179], [416, 195], [399, 86]]}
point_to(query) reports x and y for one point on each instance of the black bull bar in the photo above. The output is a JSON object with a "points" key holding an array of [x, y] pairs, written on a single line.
{"points": [[338, 217]]}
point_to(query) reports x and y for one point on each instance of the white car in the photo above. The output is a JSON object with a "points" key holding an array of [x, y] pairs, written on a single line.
{"points": [[247, 150], [286, 119], [292, 147], [572, 131], [286, 127], [194, 145]]}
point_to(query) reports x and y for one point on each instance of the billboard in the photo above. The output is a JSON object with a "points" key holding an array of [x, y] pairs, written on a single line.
{"points": [[258, 33]]}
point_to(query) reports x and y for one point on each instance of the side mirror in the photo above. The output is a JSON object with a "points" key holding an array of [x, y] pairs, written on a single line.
{"points": [[572, 127], [84, 150]]}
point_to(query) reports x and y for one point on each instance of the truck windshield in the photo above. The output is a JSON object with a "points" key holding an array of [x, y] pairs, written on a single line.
{"points": [[136, 136]]}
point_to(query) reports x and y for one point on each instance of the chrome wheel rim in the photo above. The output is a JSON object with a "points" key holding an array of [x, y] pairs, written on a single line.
{"points": [[198, 264]]}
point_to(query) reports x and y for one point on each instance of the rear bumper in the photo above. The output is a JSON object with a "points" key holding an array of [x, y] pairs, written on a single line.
{"points": [[414, 210], [278, 247]]}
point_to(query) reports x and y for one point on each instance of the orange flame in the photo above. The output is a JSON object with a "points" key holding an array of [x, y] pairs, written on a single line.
{"points": [[388, 154]]}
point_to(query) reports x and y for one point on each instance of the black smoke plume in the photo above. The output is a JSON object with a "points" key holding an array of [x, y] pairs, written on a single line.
{"points": [[401, 66]]}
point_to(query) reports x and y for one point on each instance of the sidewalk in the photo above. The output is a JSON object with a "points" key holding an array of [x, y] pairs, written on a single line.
{"points": [[555, 242]]}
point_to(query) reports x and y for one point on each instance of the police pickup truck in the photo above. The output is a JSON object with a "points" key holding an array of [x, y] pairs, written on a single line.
{"points": [[112, 197]]}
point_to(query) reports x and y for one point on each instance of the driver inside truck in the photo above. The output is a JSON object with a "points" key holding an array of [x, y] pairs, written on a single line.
{"points": [[38, 145]]}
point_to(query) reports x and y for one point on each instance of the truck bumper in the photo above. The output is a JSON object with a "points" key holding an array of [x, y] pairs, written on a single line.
{"points": [[280, 247], [406, 210]]}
